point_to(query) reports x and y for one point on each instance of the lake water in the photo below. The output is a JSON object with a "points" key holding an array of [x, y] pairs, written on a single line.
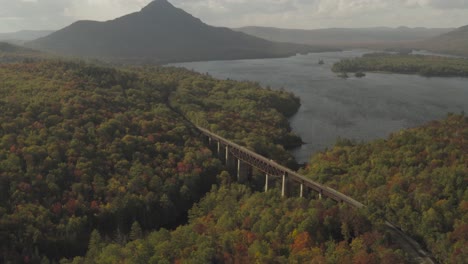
{"points": [[359, 109]]}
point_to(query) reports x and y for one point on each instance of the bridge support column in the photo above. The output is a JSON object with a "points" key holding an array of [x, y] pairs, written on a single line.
{"points": [[230, 163], [266, 182], [242, 171], [301, 191], [239, 163], [227, 155], [220, 154], [283, 187], [320, 195]]}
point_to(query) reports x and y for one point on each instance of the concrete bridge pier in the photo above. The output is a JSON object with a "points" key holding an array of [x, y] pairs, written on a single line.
{"points": [[229, 160], [266, 182], [242, 171], [301, 190], [212, 145], [226, 155], [284, 186], [221, 155], [230, 163]]}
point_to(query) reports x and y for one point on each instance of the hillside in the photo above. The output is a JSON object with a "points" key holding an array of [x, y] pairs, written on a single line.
{"points": [[11, 48], [160, 33], [10, 53], [233, 225], [455, 42], [346, 37], [84, 147], [95, 160], [416, 178]]}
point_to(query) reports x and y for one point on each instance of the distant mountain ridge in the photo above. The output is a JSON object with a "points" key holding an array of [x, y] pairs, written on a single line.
{"points": [[22, 36], [346, 37], [160, 33], [11, 48], [454, 42]]}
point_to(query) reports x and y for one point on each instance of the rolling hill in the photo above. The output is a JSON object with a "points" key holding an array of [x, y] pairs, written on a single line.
{"points": [[86, 147], [454, 42], [417, 179], [6, 47], [160, 33], [346, 37], [10, 53]]}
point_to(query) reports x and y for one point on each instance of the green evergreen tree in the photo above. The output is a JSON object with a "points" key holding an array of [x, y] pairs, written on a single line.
{"points": [[95, 246], [135, 231]]}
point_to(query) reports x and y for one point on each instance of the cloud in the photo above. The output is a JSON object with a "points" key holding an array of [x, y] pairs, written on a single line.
{"points": [[343, 8], [438, 4], [329, 13], [239, 7], [32, 14], [102, 9], [54, 14], [283, 12], [450, 3]]}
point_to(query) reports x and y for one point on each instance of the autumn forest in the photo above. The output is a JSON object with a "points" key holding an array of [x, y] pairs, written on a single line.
{"points": [[102, 164]]}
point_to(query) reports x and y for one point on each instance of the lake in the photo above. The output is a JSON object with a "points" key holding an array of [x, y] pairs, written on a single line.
{"points": [[361, 109]]}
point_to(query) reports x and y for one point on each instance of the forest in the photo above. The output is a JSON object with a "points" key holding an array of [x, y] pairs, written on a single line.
{"points": [[86, 147], [417, 179], [10, 53], [429, 66], [243, 112], [234, 225], [426, 166], [101, 164]]}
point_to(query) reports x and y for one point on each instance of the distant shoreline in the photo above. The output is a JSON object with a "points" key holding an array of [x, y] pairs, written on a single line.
{"points": [[424, 65]]}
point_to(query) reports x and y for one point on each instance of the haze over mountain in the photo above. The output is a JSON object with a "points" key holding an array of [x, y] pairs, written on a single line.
{"points": [[160, 33], [454, 42], [22, 36], [346, 37], [11, 48]]}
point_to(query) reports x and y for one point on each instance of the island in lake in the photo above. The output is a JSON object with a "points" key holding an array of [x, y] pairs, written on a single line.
{"points": [[407, 64]]}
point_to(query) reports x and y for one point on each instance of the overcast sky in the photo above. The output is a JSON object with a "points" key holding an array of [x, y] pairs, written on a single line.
{"points": [[55, 14]]}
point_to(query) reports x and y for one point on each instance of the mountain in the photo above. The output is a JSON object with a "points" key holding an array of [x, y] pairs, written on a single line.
{"points": [[160, 33], [345, 37], [6, 47], [23, 36], [454, 42]]}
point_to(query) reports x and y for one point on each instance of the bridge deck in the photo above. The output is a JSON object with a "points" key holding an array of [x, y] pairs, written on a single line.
{"points": [[272, 168]]}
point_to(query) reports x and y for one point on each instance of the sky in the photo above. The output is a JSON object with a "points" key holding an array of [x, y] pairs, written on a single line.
{"points": [[307, 14]]}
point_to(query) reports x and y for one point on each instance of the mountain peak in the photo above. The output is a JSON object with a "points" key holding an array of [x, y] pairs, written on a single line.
{"points": [[157, 5], [159, 33]]}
